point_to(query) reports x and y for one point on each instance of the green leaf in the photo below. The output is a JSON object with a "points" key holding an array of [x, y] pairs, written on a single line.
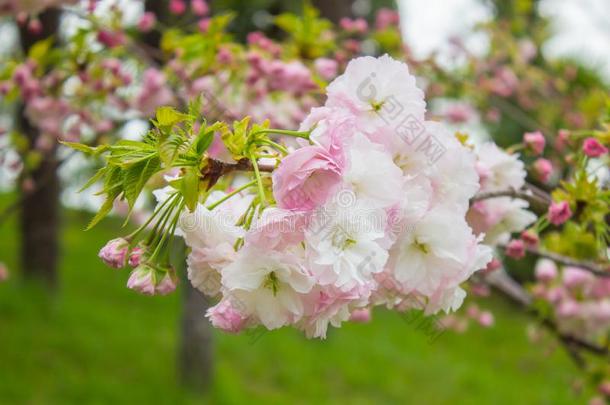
{"points": [[89, 150], [136, 177], [104, 209], [189, 188], [204, 140], [40, 50], [96, 177], [167, 117]]}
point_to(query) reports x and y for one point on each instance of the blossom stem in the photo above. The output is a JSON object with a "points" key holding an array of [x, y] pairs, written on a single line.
{"points": [[259, 180], [231, 194], [276, 145], [296, 134], [169, 230], [149, 220]]}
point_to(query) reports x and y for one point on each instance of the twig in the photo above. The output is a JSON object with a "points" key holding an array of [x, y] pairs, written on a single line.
{"points": [[538, 199], [591, 267]]}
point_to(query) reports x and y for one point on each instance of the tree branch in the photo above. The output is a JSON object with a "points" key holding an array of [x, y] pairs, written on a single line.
{"points": [[539, 200], [591, 267]]}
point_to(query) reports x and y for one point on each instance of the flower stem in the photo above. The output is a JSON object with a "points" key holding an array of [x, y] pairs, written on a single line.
{"points": [[296, 134], [231, 194], [259, 180]]}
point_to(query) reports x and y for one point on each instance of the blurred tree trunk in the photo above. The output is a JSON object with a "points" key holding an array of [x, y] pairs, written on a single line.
{"points": [[195, 353], [39, 219], [334, 10]]}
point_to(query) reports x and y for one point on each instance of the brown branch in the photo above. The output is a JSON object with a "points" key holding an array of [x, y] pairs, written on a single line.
{"points": [[539, 200], [591, 267]]}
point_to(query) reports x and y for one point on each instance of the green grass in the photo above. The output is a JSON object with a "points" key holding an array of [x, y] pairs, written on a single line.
{"points": [[96, 342]]}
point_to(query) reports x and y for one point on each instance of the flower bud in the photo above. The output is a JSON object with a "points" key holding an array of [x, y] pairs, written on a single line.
{"points": [[530, 238], [493, 265], [136, 256], [149, 280], [534, 141], [515, 249], [559, 212], [114, 253], [147, 22], [543, 169], [168, 282], [177, 7], [200, 7], [142, 279], [593, 148]]}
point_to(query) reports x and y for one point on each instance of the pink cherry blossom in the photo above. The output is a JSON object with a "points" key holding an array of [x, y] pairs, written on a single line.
{"points": [[225, 317], [559, 212], [593, 148], [306, 179]]}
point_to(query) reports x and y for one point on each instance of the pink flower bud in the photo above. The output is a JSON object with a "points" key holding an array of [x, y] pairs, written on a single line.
{"points": [[361, 315], [559, 212], [142, 280], [593, 148], [493, 265], [114, 253], [135, 256], [200, 7], [147, 21], [111, 39], [530, 238], [543, 169], [177, 7], [486, 319], [35, 26], [515, 249], [225, 317], [168, 282], [204, 24], [534, 141], [546, 270], [148, 280]]}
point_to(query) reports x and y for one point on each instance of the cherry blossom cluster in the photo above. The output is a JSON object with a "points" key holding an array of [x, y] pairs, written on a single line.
{"points": [[368, 212], [579, 301]]}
